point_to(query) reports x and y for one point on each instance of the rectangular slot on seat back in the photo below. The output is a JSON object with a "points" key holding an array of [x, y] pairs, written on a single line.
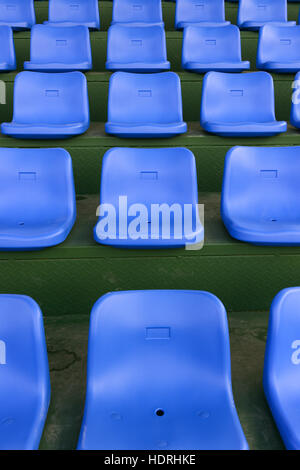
{"points": [[262, 6], [210, 42], [285, 42], [10, 7], [61, 42], [74, 6], [158, 333], [137, 7], [52, 93], [199, 6], [27, 176], [136, 42], [269, 173], [236, 92], [149, 175], [145, 93]]}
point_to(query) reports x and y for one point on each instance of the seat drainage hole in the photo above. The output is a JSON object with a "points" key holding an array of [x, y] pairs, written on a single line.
{"points": [[159, 412]]}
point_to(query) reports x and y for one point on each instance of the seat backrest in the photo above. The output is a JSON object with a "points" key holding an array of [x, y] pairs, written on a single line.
{"points": [[24, 371], [262, 182], [256, 10], [282, 356], [144, 98], [203, 10], [7, 45], [56, 98], [130, 11], [76, 12], [17, 10], [136, 43], [229, 97], [279, 43], [35, 181], [211, 44], [64, 44]]}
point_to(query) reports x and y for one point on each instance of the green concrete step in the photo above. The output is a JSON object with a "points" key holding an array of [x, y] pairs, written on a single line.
{"points": [[67, 352], [191, 85], [87, 151], [105, 9], [70, 277]]}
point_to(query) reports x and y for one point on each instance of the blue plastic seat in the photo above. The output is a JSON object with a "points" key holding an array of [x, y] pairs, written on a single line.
{"points": [[81, 12], [61, 49], [143, 12], [279, 48], [239, 105], [261, 195], [18, 14], [295, 108], [37, 198], [137, 48], [145, 105], [49, 106], [282, 365], [150, 177], [159, 374], [252, 14], [7, 50], [204, 13], [212, 48], [24, 373]]}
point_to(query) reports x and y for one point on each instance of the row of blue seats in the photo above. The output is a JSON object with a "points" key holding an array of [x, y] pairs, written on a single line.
{"points": [[143, 49], [252, 14], [56, 105], [260, 197], [162, 359]]}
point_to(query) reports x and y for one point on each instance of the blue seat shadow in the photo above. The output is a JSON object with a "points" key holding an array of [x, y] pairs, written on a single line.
{"points": [[61, 49], [37, 203], [295, 108], [260, 195], [145, 105], [239, 105], [212, 48], [165, 383], [136, 48], [149, 177], [252, 14], [204, 13], [143, 12], [49, 106], [7, 51], [279, 49], [19, 14], [24, 373], [81, 12], [282, 365]]}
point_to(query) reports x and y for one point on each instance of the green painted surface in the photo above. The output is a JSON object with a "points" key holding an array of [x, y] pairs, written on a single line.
{"points": [[67, 352]]}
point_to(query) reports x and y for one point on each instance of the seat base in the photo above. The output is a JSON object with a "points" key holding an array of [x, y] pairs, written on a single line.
{"points": [[217, 66], [245, 129], [47, 131], [146, 130], [18, 26], [280, 67], [5, 66], [138, 23], [184, 24], [256, 25], [90, 24], [57, 67], [138, 67]]}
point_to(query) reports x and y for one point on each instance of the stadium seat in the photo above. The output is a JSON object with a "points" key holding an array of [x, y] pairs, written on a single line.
{"points": [[163, 361], [252, 14], [49, 106], [37, 198], [143, 12], [295, 109], [81, 12], [7, 51], [24, 373], [279, 48], [145, 105], [212, 48], [204, 13], [61, 49], [149, 177], [136, 48], [282, 365], [18, 14], [261, 195], [239, 105]]}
